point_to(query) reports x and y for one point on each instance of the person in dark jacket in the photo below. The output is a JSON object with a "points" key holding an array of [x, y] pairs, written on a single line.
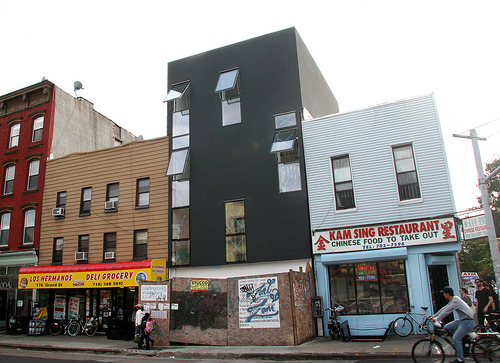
{"points": [[144, 335]]}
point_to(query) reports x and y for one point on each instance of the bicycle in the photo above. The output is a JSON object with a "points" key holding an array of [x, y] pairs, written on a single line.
{"points": [[333, 324], [430, 349], [486, 348], [492, 324], [403, 326], [59, 326], [89, 326]]}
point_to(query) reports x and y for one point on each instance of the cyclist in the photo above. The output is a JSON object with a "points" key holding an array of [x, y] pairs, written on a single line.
{"points": [[459, 327]]}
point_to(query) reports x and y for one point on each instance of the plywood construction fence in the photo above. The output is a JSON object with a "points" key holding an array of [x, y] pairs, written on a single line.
{"points": [[252, 310]]}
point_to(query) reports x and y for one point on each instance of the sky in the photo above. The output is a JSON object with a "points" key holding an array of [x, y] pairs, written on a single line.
{"points": [[369, 51]]}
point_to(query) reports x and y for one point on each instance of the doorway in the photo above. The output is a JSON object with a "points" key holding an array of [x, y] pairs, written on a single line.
{"points": [[3, 308], [438, 276]]}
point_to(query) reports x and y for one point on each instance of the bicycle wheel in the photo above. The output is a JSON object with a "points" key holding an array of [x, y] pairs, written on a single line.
{"points": [[55, 328], [73, 328], [402, 326], [91, 328], [427, 351], [486, 349], [428, 325]]}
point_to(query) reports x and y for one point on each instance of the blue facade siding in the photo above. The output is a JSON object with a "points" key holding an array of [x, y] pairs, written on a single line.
{"points": [[368, 136]]}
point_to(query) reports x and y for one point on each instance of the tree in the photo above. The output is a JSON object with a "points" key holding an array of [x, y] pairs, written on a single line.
{"points": [[475, 256], [493, 186]]}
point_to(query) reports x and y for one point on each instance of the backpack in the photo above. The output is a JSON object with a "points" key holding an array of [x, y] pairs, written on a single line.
{"points": [[149, 326]]}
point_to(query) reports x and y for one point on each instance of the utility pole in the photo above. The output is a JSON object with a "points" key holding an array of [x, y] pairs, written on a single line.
{"points": [[490, 227]]}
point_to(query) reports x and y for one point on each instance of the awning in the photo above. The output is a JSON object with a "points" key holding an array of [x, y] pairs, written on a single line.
{"points": [[101, 275]]}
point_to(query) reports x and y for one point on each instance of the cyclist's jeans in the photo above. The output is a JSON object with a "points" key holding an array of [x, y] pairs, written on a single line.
{"points": [[460, 328]]}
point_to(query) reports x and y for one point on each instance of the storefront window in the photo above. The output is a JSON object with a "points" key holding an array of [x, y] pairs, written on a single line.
{"points": [[370, 288]]}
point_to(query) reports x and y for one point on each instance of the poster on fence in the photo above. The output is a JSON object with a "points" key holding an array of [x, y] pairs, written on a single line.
{"points": [[154, 292], [259, 303]]}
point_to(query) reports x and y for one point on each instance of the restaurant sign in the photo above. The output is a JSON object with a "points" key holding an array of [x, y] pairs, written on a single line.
{"points": [[392, 235], [474, 227], [105, 275]]}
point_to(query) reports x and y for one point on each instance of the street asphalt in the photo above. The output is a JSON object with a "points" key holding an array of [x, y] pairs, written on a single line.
{"points": [[317, 349]]}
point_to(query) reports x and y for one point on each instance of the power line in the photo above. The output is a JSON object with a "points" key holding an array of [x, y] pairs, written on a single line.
{"points": [[486, 123]]}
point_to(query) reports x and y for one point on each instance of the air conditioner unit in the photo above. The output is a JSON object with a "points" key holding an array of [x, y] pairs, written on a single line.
{"points": [[111, 205], [109, 255], [58, 212], [81, 256]]}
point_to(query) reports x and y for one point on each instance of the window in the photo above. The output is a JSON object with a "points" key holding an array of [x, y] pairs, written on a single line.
{"points": [[236, 243], [37, 128], [4, 229], [370, 288], [83, 243], [289, 177], [141, 244], [342, 183], [406, 172], [112, 197], [14, 135], [57, 251], [179, 164], [10, 172], [283, 141], [180, 193], [109, 246], [61, 200], [285, 120], [179, 97], [142, 193], [34, 168], [29, 227], [228, 88], [118, 132], [180, 253], [85, 201]]}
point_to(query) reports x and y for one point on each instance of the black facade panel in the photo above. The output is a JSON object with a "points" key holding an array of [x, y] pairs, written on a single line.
{"points": [[234, 162]]}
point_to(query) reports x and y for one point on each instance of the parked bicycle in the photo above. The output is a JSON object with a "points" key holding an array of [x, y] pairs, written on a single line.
{"points": [[59, 326], [403, 325], [89, 327], [333, 324]]}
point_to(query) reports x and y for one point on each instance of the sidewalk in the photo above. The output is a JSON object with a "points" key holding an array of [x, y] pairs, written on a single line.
{"points": [[317, 349]]}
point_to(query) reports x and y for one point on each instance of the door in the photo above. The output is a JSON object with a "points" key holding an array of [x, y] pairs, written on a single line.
{"points": [[3, 308], [438, 276]]}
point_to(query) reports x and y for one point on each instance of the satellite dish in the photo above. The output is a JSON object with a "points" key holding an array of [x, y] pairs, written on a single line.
{"points": [[78, 86], [140, 137]]}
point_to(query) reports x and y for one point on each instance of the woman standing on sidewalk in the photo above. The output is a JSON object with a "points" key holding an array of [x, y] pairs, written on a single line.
{"points": [[144, 334]]}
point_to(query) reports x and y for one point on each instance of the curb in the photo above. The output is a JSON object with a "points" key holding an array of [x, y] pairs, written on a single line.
{"points": [[166, 352]]}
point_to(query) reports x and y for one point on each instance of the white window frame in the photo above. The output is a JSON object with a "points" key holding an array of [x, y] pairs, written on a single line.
{"points": [[5, 228], [33, 173], [15, 130], [37, 129], [29, 222], [10, 173]]}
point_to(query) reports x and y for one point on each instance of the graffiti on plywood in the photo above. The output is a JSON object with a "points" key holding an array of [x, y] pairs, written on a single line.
{"points": [[259, 303]]}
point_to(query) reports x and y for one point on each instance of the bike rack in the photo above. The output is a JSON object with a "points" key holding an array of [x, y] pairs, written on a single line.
{"points": [[357, 337]]}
